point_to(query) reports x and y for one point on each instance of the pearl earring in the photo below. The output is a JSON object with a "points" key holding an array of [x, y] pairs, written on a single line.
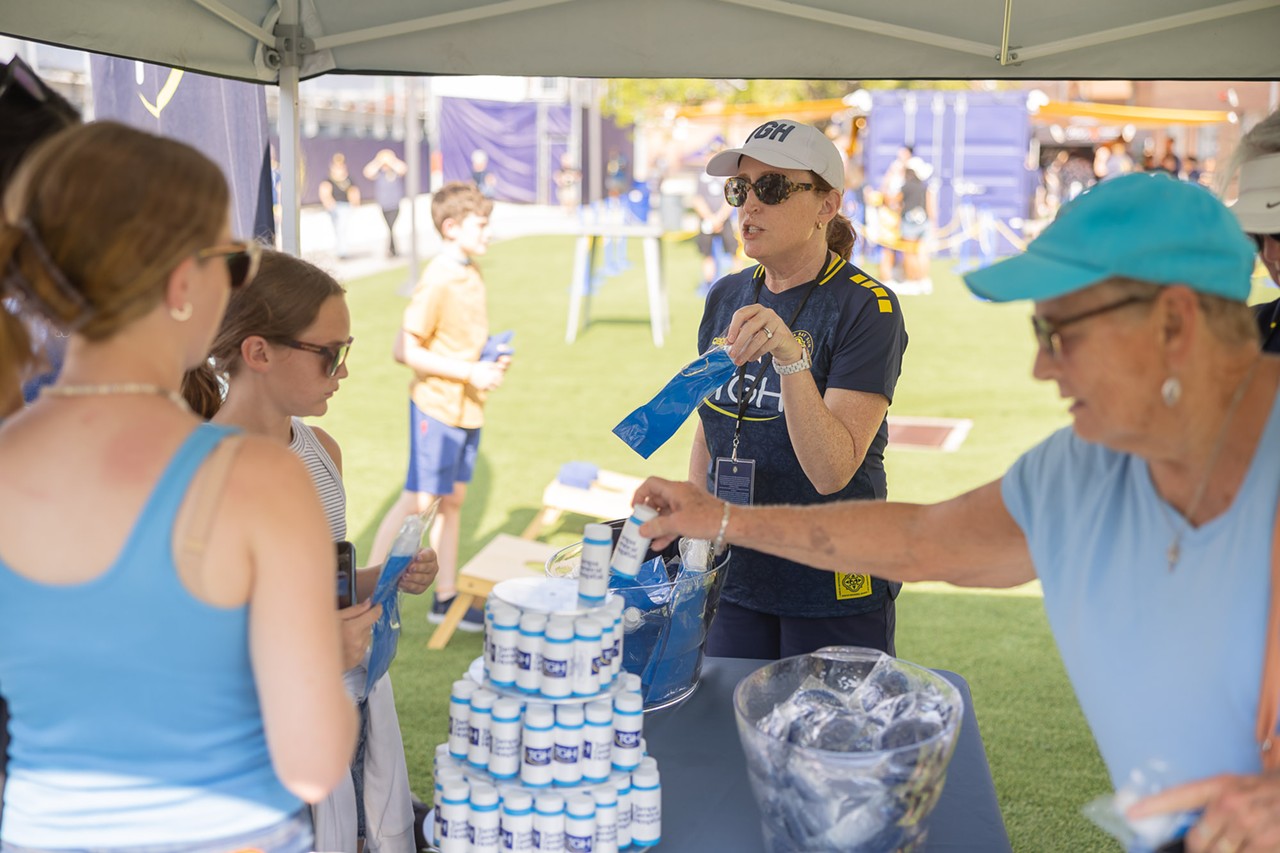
{"points": [[1171, 391], [182, 314]]}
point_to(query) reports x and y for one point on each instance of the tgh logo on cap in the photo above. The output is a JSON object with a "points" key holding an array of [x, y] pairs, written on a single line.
{"points": [[772, 130]]}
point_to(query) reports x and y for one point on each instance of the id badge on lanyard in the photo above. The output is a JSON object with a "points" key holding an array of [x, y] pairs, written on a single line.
{"points": [[735, 478]]}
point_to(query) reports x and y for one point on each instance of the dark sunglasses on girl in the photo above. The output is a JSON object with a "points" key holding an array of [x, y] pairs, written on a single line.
{"points": [[770, 188], [334, 357], [242, 259]]}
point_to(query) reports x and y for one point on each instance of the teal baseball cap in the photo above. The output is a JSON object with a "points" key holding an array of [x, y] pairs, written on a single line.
{"points": [[1149, 227]]}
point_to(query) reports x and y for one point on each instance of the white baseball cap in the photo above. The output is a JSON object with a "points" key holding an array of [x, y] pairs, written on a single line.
{"points": [[785, 144], [1258, 204]]}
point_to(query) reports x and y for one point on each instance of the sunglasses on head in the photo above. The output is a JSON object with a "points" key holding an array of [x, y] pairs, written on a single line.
{"points": [[770, 188], [334, 357], [242, 259], [19, 78]]}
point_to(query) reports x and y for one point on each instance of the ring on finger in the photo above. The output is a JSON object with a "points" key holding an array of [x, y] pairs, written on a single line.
{"points": [[768, 333]]}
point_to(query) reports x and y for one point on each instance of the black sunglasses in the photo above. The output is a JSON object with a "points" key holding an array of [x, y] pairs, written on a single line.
{"points": [[1048, 331], [242, 259], [1261, 239], [771, 188], [334, 356], [18, 78]]}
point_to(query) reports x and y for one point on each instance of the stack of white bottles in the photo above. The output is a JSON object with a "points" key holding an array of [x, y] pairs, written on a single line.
{"points": [[567, 775], [556, 656], [593, 753], [474, 816]]}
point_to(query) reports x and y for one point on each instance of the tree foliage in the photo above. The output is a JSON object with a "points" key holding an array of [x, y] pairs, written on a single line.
{"points": [[628, 101]]}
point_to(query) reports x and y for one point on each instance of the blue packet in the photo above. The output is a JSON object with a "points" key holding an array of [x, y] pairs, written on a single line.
{"points": [[386, 631], [497, 346], [648, 589], [650, 426]]}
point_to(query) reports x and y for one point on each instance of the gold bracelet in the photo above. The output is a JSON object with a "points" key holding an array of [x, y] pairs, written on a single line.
{"points": [[718, 547]]}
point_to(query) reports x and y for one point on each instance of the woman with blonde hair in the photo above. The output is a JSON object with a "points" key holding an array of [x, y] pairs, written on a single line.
{"points": [[168, 642]]}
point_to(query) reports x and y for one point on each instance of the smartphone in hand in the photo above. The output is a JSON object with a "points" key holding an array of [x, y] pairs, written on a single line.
{"points": [[346, 574]]}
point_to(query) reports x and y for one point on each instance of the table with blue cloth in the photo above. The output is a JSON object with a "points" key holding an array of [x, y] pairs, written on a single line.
{"points": [[707, 802]]}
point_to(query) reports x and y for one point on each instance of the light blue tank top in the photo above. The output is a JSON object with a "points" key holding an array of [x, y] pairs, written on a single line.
{"points": [[134, 715], [1166, 664]]}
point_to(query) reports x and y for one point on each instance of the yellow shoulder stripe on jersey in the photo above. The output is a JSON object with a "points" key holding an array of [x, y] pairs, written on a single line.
{"points": [[713, 407], [758, 272], [832, 268], [882, 302]]}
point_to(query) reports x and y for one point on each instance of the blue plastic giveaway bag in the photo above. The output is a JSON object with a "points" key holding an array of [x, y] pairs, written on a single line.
{"points": [[386, 631], [650, 426]]}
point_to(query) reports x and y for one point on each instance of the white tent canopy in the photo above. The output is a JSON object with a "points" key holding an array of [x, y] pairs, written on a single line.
{"points": [[281, 42], [847, 39]]}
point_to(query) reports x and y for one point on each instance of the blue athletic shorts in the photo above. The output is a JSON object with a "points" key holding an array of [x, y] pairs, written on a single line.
{"points": [[439, 455]]}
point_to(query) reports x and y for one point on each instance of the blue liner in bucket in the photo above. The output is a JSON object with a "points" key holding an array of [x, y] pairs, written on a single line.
{"points": [[667, 618]]}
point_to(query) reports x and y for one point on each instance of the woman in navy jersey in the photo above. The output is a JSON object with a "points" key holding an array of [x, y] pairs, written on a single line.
{"points": [[819, 344]]}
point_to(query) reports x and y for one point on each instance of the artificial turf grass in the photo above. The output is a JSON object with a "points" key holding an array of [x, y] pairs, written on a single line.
{"points": [[965, 359]]}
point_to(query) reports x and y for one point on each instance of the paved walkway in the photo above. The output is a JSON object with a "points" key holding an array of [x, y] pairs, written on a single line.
{"points": [[367, 237]]}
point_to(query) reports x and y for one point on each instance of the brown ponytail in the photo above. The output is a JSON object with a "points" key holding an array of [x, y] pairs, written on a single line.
{"points": [[839, 230], [840, 236], [15, 343], [202, 389]]}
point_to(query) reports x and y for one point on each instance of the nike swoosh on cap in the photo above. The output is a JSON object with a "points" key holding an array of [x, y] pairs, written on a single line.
{"points": [[1272, 204]]}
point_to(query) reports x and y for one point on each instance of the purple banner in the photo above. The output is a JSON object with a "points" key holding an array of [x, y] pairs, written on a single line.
{"points": [[225, 119], [506, 137]]}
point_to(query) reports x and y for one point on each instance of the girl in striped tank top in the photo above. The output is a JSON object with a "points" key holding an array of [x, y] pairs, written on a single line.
{"points": [[278, 357]]}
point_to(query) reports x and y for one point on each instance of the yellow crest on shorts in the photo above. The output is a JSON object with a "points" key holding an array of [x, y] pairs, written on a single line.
{"points": [[852, 586]]}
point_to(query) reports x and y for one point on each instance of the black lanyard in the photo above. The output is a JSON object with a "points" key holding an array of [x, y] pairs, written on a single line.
{"points": [[1275, 324], [744, 395]]}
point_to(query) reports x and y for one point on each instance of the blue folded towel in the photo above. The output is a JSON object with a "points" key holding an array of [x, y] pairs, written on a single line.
{"points": [[579, 475], [498, 345]]}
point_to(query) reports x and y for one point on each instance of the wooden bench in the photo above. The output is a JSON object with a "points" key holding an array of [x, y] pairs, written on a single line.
{"points": [[504, 557], [608, 497]]}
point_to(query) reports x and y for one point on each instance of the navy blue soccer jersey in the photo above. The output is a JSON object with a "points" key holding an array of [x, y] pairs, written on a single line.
{"points": [[853, 328]]}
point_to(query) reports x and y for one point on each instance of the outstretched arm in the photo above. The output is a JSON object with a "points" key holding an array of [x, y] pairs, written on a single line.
{"points": [[970, 540]]}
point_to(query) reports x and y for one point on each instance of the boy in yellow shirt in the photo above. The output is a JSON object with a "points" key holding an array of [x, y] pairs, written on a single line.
{"points": [[442, 338]]}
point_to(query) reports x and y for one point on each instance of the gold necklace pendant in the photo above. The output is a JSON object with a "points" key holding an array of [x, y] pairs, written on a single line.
{"points": [[117, 388]]}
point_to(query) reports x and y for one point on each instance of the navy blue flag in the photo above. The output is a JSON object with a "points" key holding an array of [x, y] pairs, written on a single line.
{"points": [[225, 119]]}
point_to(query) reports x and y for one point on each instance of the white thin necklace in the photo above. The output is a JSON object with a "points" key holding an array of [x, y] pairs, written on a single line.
{"points": [[111, 388], [1174, 551]]}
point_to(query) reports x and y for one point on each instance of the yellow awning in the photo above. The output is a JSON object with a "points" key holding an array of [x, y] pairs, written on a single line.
{"points": [[793, 109], [1056, 111]]}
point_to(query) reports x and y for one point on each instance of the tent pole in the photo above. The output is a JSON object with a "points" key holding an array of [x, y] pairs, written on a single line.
{"points": [[290, 196], [413, 160]]}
